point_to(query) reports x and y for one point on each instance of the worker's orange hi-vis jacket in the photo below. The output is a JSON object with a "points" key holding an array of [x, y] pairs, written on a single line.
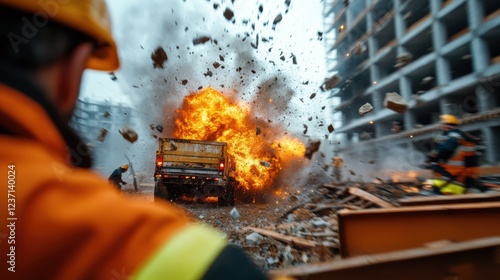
{"points": [[65, 222]]}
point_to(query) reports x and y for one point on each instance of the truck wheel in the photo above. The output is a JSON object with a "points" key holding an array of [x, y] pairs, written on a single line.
{"points": [[228, 198], [160, 191], [173, 193]]}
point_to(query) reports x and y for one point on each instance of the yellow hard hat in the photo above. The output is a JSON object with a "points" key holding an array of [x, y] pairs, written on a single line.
{"points": [[90, 17], [125, 166], [449, 119]]}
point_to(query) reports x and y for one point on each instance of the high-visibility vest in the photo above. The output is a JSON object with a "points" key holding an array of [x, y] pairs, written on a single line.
{"points": [[463, 163]]}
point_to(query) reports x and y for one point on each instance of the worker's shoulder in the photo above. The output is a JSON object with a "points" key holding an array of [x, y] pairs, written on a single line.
{"points": [[33, 159]]}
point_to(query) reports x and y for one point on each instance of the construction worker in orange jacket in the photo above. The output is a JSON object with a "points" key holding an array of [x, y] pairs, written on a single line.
{"points": [[454, 159], [62, 220]]}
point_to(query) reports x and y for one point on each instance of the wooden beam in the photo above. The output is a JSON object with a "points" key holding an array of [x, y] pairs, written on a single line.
{"points": [[376, 231], [475, 259], [297, 241], [454, 199], [370, 197]]}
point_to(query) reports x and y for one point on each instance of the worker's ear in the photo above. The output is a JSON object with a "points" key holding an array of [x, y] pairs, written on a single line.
{"points": [[70, 79]]}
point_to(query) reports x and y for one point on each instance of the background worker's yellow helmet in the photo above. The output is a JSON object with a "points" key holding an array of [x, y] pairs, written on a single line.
{"points": [[125, 166], [89, 17], [449, 119]]}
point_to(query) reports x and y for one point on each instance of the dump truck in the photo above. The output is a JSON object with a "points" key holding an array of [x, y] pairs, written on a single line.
{"points": [[193, 168]]}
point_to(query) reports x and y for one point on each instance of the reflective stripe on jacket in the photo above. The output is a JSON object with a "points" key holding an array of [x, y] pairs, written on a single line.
{"points": [[72, 224]]}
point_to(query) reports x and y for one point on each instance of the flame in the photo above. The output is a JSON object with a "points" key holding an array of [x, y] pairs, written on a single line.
{"points": [[209, 115]]}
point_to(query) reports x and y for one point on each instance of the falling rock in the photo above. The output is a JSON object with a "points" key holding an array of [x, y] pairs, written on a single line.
{"points": [[395, 102], [312, 147], [331, 128], [129, 134], [254, 238], [265, 163], [228, 14], [152, 126], [201, 40], [312, 96], [426, 80], [234, 214], [365, 109], [159, 128], [106, 114], [332, 82], [102, 135], [277, 19], [257, 131], [159, 56]]}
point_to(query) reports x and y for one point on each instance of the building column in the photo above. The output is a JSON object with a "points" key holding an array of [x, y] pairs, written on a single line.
{"points": [[480, 54], [475, 13], [486, 96], [491, 145]]}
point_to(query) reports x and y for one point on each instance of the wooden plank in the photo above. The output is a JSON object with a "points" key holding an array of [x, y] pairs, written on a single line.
{"points": [[470, 260], [297, 241], [455, 199], [370, 197], [377, 231]]}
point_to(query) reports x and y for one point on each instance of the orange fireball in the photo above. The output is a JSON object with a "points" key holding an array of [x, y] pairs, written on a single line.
{"points": [[259, 157]]}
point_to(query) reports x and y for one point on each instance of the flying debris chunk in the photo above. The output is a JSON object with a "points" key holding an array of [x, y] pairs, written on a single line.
{"points": [[396, 127], [312, 96], [106, 114], [332, 82], [352, 172], [216, 65], [282, 58], [312, 147], [294, 58], [129, 134], [426, 80], [360, 48], [159, 128], [201, 40], [395, 102], [209, 73], [365, 109], [228, 14], [152, 126], [102, 135], [277, 20], [265, 163], [305, 128], [257, 131], [113, 76], [184, 82], [159, 56], [403, 59], [331, 128], [221, 57]]}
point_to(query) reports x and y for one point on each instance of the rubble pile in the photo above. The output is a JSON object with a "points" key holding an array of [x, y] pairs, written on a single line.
{"points": [[303, 227]]}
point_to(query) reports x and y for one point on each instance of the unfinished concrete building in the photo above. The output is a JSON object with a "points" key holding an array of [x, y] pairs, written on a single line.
{"points": [[439, 56]]}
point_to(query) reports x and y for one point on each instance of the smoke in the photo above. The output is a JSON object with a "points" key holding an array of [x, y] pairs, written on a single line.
{"points": [[247, 57]]}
